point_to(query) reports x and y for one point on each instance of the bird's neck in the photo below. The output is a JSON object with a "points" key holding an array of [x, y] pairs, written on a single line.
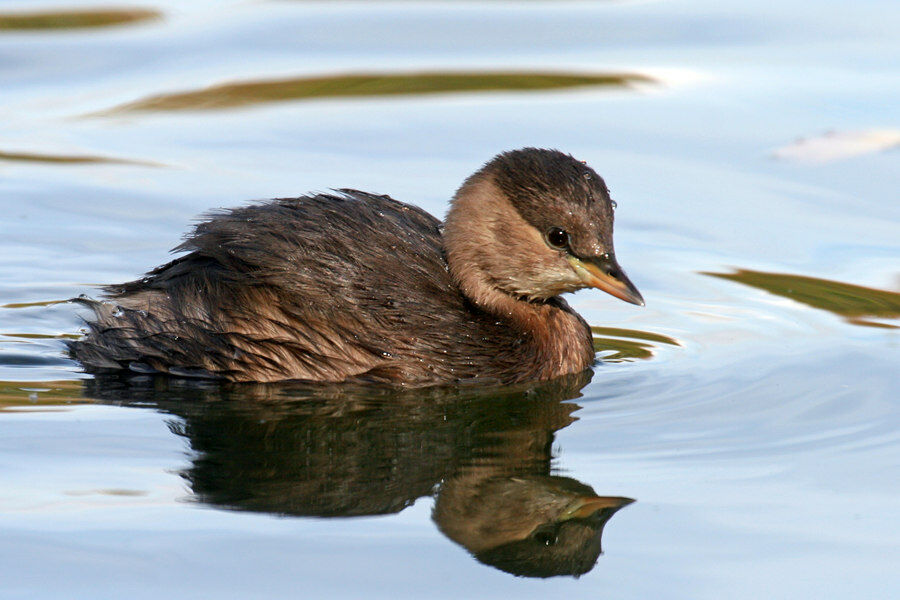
{"points": [[476, 257]]}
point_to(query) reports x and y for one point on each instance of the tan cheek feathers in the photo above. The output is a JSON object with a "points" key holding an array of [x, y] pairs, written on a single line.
{"points": [[502, 243]]}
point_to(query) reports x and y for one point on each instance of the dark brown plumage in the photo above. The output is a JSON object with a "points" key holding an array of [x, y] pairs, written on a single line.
{"points": [[355, 286]]}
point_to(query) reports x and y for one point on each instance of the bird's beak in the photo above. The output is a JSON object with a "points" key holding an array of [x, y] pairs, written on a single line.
{"points": [[604, 273], [584, 508]]}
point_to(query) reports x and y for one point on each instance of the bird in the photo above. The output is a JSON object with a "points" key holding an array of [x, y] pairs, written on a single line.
{"points": [[351, 286]]}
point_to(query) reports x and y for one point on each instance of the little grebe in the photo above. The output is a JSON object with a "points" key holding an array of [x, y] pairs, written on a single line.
{"points": [[355, 286]]}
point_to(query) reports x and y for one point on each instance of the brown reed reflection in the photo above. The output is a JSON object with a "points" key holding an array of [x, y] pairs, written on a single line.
{"points": [[50, 20], [40, 395], [615, 344], [70, 159], [372, 85], [857, 304]]}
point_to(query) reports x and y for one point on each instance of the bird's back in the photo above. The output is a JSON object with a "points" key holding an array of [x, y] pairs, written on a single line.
{"points": [[324, 287]]}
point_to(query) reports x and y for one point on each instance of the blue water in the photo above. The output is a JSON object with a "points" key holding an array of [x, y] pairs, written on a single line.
{"points": [[761, 450]]}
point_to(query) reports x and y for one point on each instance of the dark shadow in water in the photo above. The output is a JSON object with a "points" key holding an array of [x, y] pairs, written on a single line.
{"points": [[47, 20], [368, 85], [338, 451], [857, 304]]}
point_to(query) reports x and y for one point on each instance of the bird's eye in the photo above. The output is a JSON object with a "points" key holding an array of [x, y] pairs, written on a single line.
{"points": [[558, 238], [544, 538]]}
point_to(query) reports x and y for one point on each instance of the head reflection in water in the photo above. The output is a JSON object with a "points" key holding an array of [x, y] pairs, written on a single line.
{"points": [[342, 452], [536, 526]]}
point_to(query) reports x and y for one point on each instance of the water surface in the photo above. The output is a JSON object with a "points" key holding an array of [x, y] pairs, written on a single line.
{"points": [[738, 438]]}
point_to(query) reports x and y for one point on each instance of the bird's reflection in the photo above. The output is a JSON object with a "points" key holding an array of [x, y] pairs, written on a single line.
{"points": [[485, 454]]}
